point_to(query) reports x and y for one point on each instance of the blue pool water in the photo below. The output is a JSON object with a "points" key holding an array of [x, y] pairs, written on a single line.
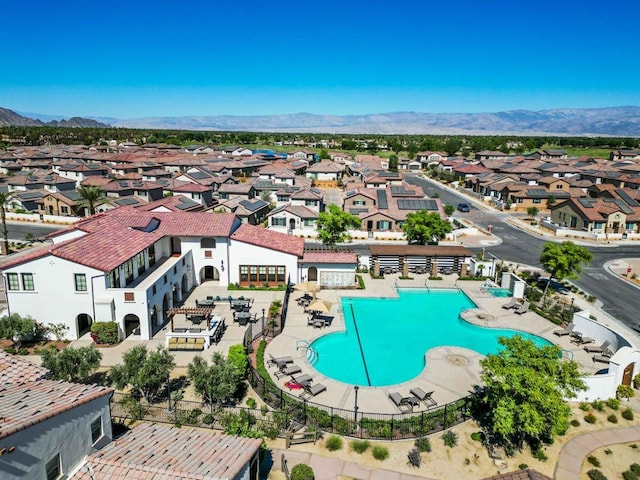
{"points": [[499, 292], [395, 334]]}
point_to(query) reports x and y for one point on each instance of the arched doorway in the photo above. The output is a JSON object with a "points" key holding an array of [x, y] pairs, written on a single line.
{"points": [[312, 274], [627, 375], [208, 273], [165, 308], [184, 285], [176, 294], [292, 224], [176, 246], [131, 324], [83, 323]]}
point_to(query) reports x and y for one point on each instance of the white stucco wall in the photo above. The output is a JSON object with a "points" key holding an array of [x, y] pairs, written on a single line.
{"points": [[219, 257], [68, 433], [241, 253]]}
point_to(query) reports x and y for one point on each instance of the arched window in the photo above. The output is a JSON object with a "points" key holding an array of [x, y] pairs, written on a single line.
{"points": [[208, 243]]}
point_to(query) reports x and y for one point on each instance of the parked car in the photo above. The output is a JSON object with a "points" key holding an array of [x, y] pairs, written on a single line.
{"points": [[557, 286], [463, 207]]}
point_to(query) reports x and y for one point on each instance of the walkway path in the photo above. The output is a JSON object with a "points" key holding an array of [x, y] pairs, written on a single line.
{"points": [[328, 468], [575, 451]]}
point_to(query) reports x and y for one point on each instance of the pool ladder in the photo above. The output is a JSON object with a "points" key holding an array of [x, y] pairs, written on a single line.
{"points": [[312, 355], [302, 344]]}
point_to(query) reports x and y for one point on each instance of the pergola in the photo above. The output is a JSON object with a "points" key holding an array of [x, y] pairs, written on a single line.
{"points": [[202, 311]]}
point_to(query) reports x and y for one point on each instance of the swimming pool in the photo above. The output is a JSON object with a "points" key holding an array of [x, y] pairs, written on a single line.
{"points": [[499, 292], [387, 342]]}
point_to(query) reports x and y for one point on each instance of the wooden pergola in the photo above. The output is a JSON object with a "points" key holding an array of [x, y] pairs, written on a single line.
{"points": [[201, 311]]}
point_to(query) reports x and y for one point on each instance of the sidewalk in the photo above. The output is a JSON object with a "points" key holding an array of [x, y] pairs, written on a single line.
{"points": [[575, 451], [620, 267]]}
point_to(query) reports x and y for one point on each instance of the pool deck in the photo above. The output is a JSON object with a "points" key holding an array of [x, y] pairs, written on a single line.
{"points": [[451, 372]]}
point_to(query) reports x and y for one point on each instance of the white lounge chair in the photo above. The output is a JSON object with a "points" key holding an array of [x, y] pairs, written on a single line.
{"points": [[424, 397]]}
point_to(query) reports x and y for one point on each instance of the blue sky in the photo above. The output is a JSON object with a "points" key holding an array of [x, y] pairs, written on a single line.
{"points": [[138, 58]]}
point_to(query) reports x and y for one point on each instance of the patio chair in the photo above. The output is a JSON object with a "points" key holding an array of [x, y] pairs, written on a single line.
{"points": [[312, 390], [513, 303], [401, 402], [601, 349], [424, 397], [287, 371], [580, 339], [304, 380], [524, 308], [601, 359], [565, 331], [279, 362]]}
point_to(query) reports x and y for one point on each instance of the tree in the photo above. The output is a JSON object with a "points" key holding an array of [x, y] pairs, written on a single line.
{"points": [[563, 260], [71, 364], [334, 223], [452, 145], [421, 227], [90, 195], [551, 200], [216, 382], [393, 162], [145, 372], [525, 391], [533, 212], [449, 209], [17, 328], [265, 195], [324, 155], [4, 200]]}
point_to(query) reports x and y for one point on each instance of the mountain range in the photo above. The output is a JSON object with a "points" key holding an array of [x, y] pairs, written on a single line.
{"points": [[612, 121], [11, 118]]}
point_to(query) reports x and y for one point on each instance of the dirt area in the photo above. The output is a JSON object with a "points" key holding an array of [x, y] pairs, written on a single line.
{"points": [[470, 460], [614, 460], [34, 348]]}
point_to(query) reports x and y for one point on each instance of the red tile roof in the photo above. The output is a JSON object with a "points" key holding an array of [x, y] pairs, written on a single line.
{"points": [[269, 239], [330, 257], [25, 404], [112, 238], [17, 370], [161, 452]]}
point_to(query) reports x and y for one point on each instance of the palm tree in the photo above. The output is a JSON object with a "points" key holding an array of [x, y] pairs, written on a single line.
{"points": [[90, 196], [4, 200]]}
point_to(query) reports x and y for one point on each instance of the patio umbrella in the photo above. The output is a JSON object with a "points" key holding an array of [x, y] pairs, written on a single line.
{"points": [[306, 287], [321, 306]]}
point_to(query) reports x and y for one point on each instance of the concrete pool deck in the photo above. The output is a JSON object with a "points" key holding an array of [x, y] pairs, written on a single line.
{"points": [[451, 372]]}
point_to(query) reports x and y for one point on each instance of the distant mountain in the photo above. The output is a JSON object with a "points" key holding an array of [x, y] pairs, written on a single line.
{"points": [[615, 121], [11, 118]]}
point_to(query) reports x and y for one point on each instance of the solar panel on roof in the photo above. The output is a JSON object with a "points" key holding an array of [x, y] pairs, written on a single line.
{"points": [[253, 206], [382, 199], [123, 184], [627, 198], [585, 202], [622, 206], [417, 204], [127, 201]]}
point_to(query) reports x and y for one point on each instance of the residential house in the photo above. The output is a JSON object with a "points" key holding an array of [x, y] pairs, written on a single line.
{"points": [[427, 158], [311, 198], [148, 191], [63, 204], [329, 269], [252, 211], [491, 155], [47, 427], [598, 215], [325, 173], [294, 219], [51, 182], [624, 155]]}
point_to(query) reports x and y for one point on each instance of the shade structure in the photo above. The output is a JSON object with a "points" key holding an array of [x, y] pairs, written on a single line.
{"points": [[319, 305], [306, 287]]}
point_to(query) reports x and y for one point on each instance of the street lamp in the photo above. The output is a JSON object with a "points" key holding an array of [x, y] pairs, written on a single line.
{"points": [[571, 309], [355, 406], [263, 335]]}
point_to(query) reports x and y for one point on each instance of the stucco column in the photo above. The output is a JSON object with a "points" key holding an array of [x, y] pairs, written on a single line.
{"points": [[376, 268], [434, 268], [463, 270]]}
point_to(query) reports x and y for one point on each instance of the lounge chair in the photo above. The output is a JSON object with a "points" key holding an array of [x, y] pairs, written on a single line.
{"points": [[580, 339], [287, 371], [513, 303], [565, 331], [424, 397], [601, 359], [312, 390], [303, 380], [598, 348], [403, 403], [279, 362], [524, 308]]}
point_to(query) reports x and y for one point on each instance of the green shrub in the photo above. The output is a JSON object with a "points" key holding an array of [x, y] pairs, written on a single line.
{"points": [[575, 423], [423, 444], [624, 391], [540, 455], [635, 468], [585, 406], [613, 403], [360, 446], [450, 439], [208, 419], [360, 282], [523, 466], [629, 475], [594, 474], [593, 461], [333, 443], [477, 436], [414, 457], [590, 418], [612, 418], [302, 472], [627, 413], [608, 451], [380, 452], [251, 402], [23, 351], [238, 358], [105, 332], [598, 405]]}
